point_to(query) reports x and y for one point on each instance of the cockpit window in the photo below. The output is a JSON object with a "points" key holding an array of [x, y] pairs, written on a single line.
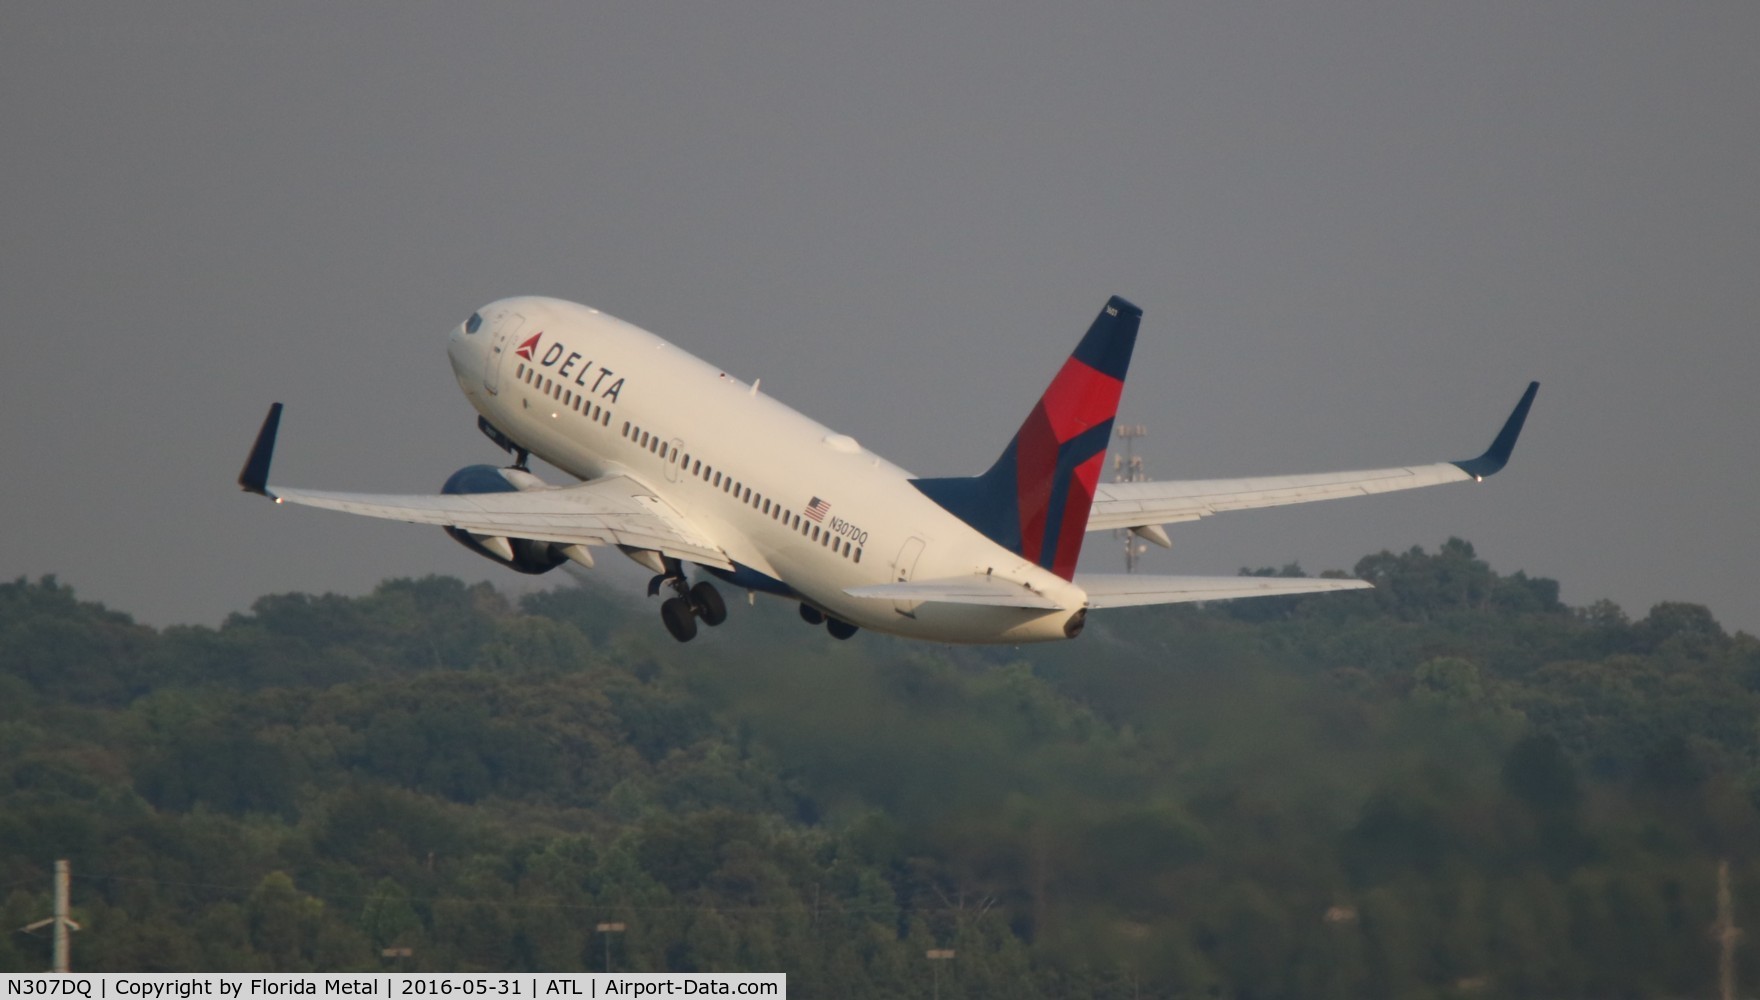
{"points": [[473, 324]]}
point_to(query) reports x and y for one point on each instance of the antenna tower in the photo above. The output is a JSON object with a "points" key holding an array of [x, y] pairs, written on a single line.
{"points": [[1128, 468]]}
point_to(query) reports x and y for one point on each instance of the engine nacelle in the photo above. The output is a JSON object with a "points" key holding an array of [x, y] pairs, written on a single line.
{"points": [[522, 554]]}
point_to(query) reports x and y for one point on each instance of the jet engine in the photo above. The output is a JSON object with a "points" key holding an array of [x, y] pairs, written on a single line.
{"points": [[523, 554]]}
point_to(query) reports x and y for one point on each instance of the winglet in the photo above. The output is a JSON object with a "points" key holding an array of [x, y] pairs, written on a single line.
{"points": [[254, 477], [1497, 455]]}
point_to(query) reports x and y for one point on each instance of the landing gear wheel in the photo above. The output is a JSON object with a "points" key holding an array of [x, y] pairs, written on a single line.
{"points": [[679, 620], [708, 604], [811, 615], [839, 628]]}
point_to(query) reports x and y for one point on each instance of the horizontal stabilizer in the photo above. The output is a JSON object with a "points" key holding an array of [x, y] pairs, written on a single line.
{"points": [[1124, 590], [985, 590]]}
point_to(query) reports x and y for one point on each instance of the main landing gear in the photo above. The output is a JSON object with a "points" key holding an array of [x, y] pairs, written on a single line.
{"points": [[680, 614], [838, 628]]}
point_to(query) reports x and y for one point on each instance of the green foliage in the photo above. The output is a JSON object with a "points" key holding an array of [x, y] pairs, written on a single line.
{"points": [[1452, 785]]}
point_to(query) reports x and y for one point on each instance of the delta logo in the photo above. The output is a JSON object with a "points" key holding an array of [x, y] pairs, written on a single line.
{"points": [[568, 368]]}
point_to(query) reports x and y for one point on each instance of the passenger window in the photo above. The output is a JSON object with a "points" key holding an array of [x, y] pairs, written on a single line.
{"points": [[815, 535], [626, 428], [858, 555]]}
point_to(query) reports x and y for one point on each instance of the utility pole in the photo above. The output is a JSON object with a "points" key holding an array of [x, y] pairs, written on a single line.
{"points": [[1128, 468], [1726, 933], [609, 929], [936, 956], [60, 921]]}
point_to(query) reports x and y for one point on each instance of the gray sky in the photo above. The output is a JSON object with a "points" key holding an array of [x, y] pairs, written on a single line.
{"points": [[1356, 230]]}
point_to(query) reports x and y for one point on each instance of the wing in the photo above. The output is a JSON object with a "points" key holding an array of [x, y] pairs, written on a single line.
{"points": [[1124, 590], [616, 510], [1132, 505]]}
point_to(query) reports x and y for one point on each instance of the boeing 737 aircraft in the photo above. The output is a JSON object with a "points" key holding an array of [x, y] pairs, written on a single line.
{"points": [[682, 465]]}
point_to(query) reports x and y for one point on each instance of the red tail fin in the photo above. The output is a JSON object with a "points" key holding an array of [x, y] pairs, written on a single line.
{"points": [[1035, 499]]}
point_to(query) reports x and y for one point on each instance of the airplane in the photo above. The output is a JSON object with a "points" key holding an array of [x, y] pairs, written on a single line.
{"points": [[682, 465]]}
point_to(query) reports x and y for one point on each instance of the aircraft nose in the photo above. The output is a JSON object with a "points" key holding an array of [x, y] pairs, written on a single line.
{"points": [[466, 347]]}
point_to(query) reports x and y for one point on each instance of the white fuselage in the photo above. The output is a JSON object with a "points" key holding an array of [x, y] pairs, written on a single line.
{"points": [[595, 396]]}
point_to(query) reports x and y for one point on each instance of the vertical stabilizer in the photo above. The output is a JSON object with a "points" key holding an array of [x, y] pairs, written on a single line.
{"points": [[1035, 499]]}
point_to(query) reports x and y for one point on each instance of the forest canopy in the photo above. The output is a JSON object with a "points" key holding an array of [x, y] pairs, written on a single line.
{"points": [[1451, 785]]}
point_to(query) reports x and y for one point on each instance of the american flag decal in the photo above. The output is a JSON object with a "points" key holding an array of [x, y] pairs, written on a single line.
{"points": [[817, 509]]}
